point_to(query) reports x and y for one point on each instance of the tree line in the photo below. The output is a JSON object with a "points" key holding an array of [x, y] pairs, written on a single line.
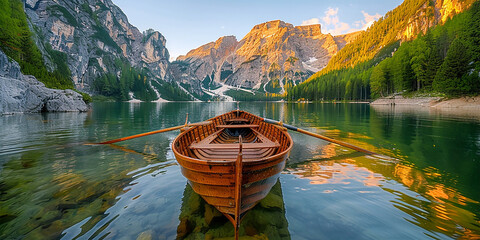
{"points": [[138, 82]]}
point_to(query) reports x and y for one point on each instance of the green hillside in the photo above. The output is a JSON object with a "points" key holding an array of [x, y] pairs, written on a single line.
{"points": [[16, 42], [444, 60]]}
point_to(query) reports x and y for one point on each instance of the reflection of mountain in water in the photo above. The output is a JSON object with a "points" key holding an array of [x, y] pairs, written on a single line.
{"points": [[199, 220], [430, 198]]}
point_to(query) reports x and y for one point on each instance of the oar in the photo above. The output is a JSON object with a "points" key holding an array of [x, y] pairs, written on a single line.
{"points": [[348, 145], [152, 132]]}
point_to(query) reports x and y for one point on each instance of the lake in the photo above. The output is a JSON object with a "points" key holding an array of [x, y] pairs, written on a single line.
{"points": [[427, 186]]}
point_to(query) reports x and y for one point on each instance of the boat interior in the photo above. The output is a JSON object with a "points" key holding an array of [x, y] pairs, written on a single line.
{"points": [[223, 144]]}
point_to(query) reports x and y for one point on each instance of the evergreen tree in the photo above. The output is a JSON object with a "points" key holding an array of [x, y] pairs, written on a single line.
{"points": [[379, 80], [473, 33], [419, 61], [449, 77]]}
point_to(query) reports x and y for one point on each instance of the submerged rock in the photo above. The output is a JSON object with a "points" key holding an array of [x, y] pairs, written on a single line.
{"points": [[211, 213], [272, 201], [147, 235], [199, 220], [184, 228], [25, 94]]}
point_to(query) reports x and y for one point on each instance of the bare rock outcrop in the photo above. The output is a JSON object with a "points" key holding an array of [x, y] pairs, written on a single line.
{"points": [[25, 94], [430, 14]]}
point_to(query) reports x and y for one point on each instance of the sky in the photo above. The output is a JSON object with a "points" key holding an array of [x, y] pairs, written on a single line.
{"points": [[188, 24]]}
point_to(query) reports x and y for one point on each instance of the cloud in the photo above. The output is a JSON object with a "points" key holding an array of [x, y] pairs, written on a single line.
{"points": [[331, 17], [341, 28], [332, 24], [369, 19], [311, 22]]}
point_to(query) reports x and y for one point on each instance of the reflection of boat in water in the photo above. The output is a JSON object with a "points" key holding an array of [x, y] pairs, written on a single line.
{"points": [[233, 161], [199, 220]]}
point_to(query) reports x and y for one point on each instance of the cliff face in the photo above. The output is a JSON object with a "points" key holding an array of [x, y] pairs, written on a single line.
{"points": [[430, 14], [95, 34], [272, 52], [207, 62]]}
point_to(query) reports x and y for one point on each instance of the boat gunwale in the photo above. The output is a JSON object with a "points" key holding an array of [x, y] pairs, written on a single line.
{"points": [[232, 161]]}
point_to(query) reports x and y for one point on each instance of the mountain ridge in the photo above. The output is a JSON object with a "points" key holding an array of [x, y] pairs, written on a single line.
{"points": [[272, 55], [99, 40]]}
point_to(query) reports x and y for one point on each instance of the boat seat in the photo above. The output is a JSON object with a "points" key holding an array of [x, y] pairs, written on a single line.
{"points": [[235, 145], [237, 120], [239, 126], [206, 143]]}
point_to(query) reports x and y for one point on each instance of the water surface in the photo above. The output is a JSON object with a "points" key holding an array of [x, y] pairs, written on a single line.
{"points": [[53, 186]]}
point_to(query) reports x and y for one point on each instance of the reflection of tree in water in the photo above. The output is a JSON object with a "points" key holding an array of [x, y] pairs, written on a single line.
{"points": [[199, 220], [439, 206]]}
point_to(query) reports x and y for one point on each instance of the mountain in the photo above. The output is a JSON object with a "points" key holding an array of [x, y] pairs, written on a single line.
{"points": [[421, 46], [403, 23], [105, 54], [271, 57], [94, 34]]}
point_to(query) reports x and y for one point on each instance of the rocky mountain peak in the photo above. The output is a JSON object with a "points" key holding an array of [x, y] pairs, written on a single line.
{"points": [[224, 46], [315, 29], [272, 55], [225, 42], [275, 24]]}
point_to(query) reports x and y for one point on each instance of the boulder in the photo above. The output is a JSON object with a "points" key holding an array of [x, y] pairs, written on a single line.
{"points": [[25, 94]]}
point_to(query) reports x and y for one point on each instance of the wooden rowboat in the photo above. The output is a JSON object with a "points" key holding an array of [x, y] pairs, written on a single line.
{"points": [[233, 161]]}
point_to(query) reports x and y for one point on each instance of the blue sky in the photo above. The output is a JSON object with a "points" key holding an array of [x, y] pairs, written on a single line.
{"points": [[188, 24]]}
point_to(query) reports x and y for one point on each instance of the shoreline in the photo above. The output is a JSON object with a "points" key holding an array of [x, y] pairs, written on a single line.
{"points": [[463, 107], [467, 103]]}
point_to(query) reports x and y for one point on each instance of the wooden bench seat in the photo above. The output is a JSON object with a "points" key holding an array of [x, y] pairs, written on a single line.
{"points": [[237, 120], [239, 126], [222, 146], [235, 145]]}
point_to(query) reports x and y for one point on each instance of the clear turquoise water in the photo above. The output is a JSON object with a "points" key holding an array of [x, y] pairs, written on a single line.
{"points": [[53, 186]]}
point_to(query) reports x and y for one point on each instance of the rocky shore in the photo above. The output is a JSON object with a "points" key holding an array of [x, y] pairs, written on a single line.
{"points": [[464, 107], [434, 102], [400, 100], [25, 94]]}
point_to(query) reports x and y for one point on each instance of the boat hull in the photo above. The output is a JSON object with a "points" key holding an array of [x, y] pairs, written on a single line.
{"points": [[215, 179]]}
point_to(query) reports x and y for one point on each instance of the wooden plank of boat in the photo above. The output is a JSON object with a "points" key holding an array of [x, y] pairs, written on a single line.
{"points": [[237, 120], [234, 161], [235, 146], [238, 126]]}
